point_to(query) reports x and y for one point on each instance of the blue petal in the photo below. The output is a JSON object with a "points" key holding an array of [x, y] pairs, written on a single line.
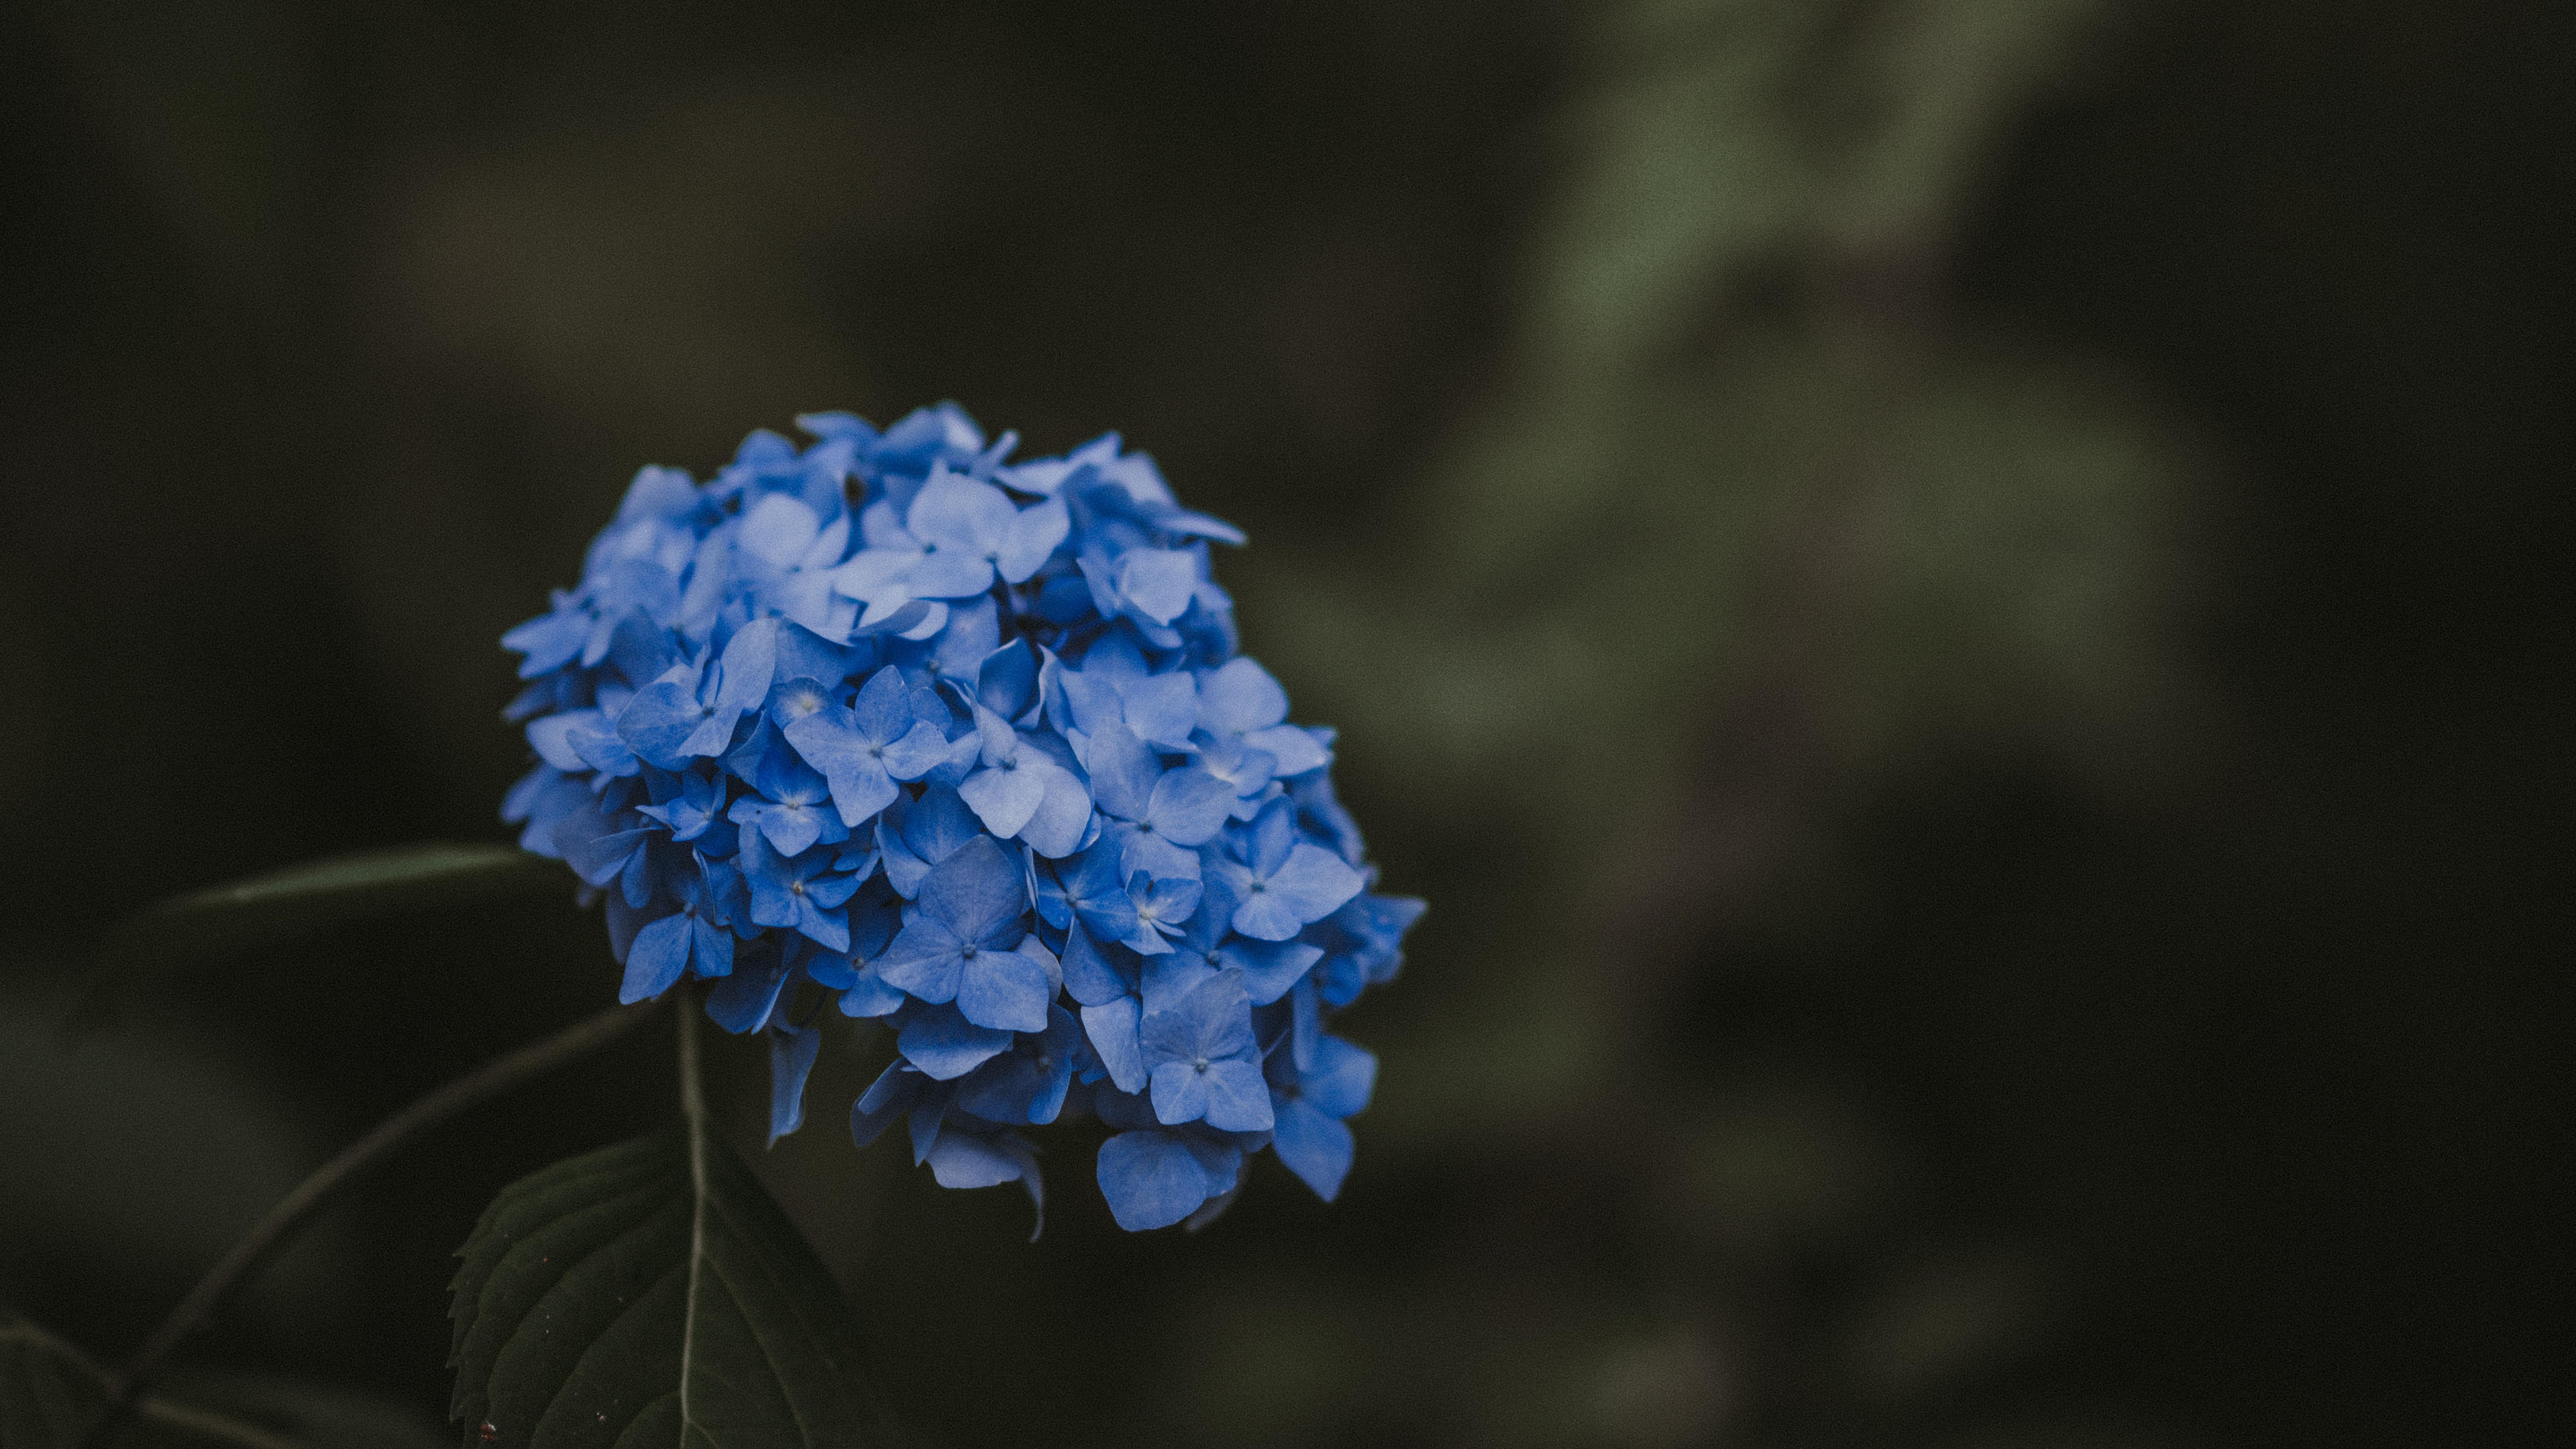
{"points": [[1238, 1100], [831, 742], [882, 713], [713, 948], [1062, 822], [871, 995], [945, 1045], [791, 1057], [1189, 806], [1162, 708], [1296, 750], [821, 925], [1004, 989], [1265, 917], [1306, 1021], [1158, 583], [830, 971], [1316, 1147], [885, 1102], [750, 663], [924, 748], [1003, 1089], [659, 721], [1112, 1029], [1342, 1078], [549, 642], [1239, 698], [744, 1000], [1092, 973], [1314, 883], [1034, 536], [978, 893], [1004, 799], [938, 825], [924, 960], [1006, 683], [1180, 1091], [1151, 1179], [656, 959], [966, 1160], [1270, 967], [1167, 981], [804, 655], [1123, 772], [1273, 834], [904, 870]]}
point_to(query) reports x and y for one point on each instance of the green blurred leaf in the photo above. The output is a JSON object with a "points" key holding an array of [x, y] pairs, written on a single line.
{"points": [[53, 1396], [209, 108], [318, 1415], [129, 1164], [228, 920], [652, 1293], [50, 1393]]}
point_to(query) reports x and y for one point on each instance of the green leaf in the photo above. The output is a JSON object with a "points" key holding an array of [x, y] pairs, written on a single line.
{"points": [[652, 1294], [228, 920], [50, 1393], [53, 1396], [143, 1158], [315, 1415]]}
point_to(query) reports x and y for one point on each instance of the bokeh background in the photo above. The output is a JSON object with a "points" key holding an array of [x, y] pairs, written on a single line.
{"points": [[1955, 602]]}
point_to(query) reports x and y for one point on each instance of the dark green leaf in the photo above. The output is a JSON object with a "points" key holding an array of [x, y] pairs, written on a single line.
{"points": [[652, 1294], [228, 920], [52, 1396], [50, 1393], [313, 1415]]}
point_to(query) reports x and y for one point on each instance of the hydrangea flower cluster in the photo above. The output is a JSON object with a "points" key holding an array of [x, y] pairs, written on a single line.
{"points": [[966, 746]]}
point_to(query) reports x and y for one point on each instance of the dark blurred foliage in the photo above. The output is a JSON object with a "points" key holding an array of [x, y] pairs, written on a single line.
{"points": [[1955, 604]]}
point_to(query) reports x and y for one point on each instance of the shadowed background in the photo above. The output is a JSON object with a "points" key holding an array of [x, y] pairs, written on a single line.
{"points": [[1950, 599]]}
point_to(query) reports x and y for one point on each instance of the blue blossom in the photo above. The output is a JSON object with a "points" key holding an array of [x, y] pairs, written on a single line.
{"points": [[1310, 1106], [690, 711], [1027, 1084], [691, 807], [1201, 1059], [863, 749], [1280, 883], [790, 806], [967, 942], [803, 893], [1114, 686], [918, 833], [667, 948], [1160, 815], [1090, 886], [1155, 1176], [1023, 790], [1208, 944], [1241, 704], [894, 724]]}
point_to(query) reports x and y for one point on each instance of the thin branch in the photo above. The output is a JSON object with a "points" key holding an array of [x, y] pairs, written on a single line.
{"points": [[693, 1109], [209, 1424], [251, 1253]]}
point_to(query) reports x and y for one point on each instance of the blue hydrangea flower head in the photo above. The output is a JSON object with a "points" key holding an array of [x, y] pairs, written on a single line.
{"points": [[892, 725]]}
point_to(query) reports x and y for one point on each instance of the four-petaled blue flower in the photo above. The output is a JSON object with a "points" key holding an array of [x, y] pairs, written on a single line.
{"points": [[968, 942], [965, 746]]}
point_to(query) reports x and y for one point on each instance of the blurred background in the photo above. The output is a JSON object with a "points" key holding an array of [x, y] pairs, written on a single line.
{"points": [[1950, 599]]}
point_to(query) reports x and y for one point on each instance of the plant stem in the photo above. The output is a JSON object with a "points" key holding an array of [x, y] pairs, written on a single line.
{"points": [[490, 1080], [693, 1091], [693, 1114]]}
